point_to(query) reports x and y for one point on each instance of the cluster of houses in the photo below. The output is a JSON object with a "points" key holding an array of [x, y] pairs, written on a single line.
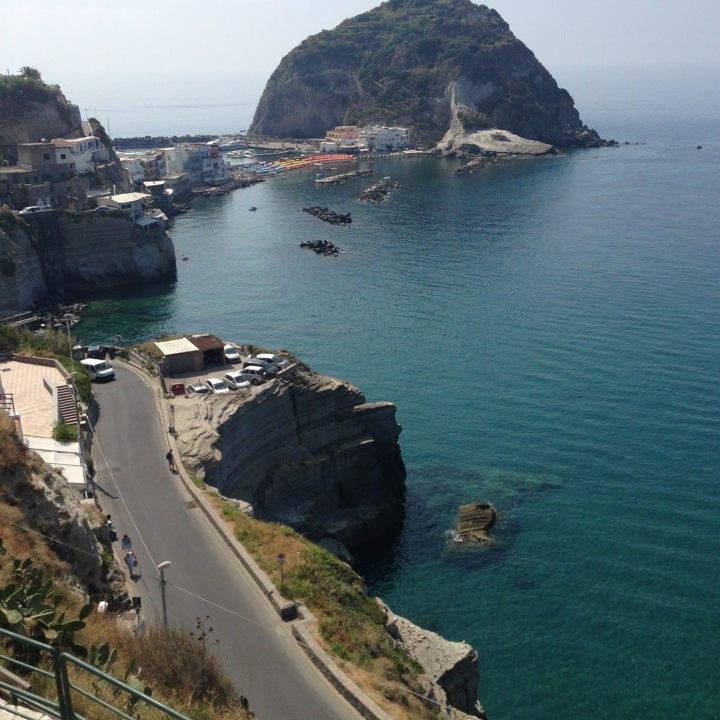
{"points": [[80, 174], [180, 167], [52, 170], [372, 138]]}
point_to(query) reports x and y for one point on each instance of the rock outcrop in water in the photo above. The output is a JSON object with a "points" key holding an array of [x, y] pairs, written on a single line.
{"points": [[306, 451], [420, 64], [58, 254], [452, 668]]}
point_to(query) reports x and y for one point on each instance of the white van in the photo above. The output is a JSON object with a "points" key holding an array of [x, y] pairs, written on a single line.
{"points": [[98, 369]]}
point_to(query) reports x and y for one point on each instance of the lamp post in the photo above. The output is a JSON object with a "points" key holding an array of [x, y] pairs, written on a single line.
{"points": [[161, 567], [281, 563]]}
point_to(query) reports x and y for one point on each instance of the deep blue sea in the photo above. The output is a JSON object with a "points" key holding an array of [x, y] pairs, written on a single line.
{"points": [[550, 332]]}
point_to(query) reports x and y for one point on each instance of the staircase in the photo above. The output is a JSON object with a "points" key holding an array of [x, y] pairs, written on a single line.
{"points": [[67, 409]]}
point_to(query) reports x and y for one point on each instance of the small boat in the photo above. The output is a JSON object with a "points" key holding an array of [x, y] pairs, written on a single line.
{"points": [[253, 209]]}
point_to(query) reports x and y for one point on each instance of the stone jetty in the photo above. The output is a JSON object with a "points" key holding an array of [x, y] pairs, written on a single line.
{"points": [[379, 191], [328, 215], [321, 247], [238, 180], [335, 179]]}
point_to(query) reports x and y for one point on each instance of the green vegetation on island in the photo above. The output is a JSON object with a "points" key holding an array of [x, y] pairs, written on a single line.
{"points": [[416, 63]]}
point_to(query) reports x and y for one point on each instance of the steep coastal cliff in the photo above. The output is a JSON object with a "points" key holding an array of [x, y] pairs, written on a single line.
{"points": [[31, 110], [308, 452], [58, 254], [422, 64]]}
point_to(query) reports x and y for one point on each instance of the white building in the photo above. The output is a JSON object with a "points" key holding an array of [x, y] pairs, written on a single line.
{"points": [[203, 163], [133, 167], [380, 137], [133, 203], [82, 152]]}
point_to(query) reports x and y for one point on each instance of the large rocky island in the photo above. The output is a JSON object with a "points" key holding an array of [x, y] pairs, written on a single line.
{"points": [[435, 66]]}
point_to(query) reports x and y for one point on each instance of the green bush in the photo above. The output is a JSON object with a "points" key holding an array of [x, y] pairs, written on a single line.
{"points": [[64, 432]]}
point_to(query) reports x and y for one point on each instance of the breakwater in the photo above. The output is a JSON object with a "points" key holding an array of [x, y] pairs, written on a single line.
{"points": [[328, 215], [379, 191], [321, 247], [335, 179]]}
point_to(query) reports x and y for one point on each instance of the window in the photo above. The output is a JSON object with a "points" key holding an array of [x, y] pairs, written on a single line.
{"points": [[63, 156], [46, 156]]}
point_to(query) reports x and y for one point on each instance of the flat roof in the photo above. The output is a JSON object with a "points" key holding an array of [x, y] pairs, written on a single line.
{"points": [[207, 342], [128, 197], [12, 169], [33, 401], [176, 347]]}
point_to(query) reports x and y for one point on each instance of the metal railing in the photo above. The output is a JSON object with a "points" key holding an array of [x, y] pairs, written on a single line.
{"points": [[62, 674]]}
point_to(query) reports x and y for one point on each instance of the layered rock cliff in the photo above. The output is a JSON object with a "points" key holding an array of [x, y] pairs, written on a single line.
{"points": [[419, 64], [59, 255], [308, 452], [451, 668]]}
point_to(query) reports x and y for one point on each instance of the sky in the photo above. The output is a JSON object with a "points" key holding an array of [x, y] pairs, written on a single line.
{"points": [[162, 51]]}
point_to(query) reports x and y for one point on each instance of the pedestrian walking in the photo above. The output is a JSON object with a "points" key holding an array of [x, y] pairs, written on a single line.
{"points": [[171, 460], [126, 544], [110, 529], [131, 562]]}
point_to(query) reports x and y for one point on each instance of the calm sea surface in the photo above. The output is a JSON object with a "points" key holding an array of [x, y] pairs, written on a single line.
{"points": [[550, 332]]}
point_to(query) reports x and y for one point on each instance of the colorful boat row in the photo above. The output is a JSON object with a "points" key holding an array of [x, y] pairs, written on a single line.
{"points": [[276, 166]]}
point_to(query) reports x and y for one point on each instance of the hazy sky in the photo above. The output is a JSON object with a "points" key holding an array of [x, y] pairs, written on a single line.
{"points": [[131, 36], [175, 66]]}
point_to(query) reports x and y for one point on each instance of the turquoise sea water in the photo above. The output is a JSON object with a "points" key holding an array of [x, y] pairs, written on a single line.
{"points": [[550, 331]]}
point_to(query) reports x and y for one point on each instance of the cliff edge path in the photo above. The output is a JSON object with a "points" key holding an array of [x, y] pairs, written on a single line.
{"points": [[255, 647]]}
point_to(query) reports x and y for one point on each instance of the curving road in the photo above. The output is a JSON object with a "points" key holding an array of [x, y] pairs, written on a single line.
{"points": [[134, 483]]}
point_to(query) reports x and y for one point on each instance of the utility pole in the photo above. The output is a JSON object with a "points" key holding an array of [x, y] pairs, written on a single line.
{"points": [[161, 567]]}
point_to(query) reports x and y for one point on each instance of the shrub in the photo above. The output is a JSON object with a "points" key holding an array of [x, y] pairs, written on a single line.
{"points": [[64, 432]]}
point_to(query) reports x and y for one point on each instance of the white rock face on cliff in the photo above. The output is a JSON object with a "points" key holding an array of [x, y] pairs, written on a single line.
{"points": [[463, 96], [308, 452], [451, 667], [60, 254]]}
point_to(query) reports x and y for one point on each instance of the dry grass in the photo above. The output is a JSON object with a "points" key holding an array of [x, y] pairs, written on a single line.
{"points": [[350, 623]]}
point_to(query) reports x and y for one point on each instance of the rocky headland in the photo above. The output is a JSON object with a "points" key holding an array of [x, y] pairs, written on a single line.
{"points": [[451, 668], [59, 254], [424, 64], [307, 451]]}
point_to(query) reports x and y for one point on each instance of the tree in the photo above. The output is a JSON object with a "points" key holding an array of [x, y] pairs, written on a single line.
{"points": [[30, 73]]}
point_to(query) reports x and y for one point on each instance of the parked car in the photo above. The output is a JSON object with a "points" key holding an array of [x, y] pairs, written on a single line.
{"points": [[236, 380], [32, 209], [232, 354], [271, 371], [217, 386], [255, 374], [278, 360], [177, 389], [98, 369], [96, 351], [198, 389], [259, 362]]}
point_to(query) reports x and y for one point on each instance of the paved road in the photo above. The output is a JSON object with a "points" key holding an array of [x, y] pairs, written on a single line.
{"points": [[256, 647]]}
